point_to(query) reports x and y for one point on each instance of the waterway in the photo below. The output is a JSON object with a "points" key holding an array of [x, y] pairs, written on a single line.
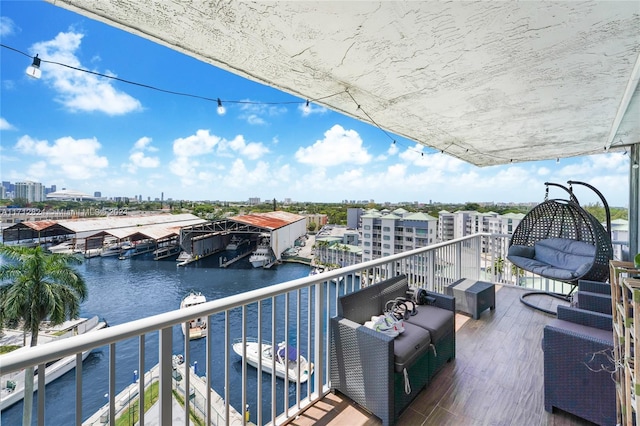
{"points": [[126, 290]]}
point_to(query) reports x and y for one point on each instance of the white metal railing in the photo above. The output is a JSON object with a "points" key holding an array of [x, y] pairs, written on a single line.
{"points": [[295, 312]]}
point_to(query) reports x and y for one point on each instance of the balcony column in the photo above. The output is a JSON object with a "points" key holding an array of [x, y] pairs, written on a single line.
{"points": [[634, 201]]}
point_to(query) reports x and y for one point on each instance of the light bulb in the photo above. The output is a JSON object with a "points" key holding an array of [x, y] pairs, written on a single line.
{"points": [[307, 108], [221, 109], [33, 70]]}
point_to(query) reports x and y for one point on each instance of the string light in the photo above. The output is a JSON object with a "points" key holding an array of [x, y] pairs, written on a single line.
{"points": [[36, 66], [221, 109], [33, 70]]}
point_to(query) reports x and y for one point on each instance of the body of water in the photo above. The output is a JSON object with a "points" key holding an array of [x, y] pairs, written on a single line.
{"points": [[126, 290]]}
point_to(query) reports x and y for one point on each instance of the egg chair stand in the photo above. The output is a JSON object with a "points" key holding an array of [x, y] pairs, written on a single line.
{"points": [[560, 240]]}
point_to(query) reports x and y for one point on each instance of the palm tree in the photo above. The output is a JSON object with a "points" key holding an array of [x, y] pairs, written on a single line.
{"points": [[35, 286]]}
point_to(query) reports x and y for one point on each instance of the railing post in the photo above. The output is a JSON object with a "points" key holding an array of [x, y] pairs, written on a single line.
{"points": [[79, 389], [458, 262], [319, 341], [141, 383], [112, 384], [165, 399], [41, 393], [478, 248]]}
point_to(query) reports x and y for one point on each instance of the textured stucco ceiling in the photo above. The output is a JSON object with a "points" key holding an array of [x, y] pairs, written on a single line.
{"points": [[487, 82]]}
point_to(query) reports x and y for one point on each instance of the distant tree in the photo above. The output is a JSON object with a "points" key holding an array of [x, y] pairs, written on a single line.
{"points": [[312, 226], [38, 286], [20, 202]]}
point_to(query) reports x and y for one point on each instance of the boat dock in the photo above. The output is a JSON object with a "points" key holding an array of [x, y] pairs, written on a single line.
{"points": [[224, 262], [126, 401]]}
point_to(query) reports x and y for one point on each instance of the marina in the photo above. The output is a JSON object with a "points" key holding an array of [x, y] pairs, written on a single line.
{"points": [[123, 291]]}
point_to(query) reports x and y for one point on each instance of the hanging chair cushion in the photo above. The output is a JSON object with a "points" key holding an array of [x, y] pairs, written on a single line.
{"points": [[556, 258]]}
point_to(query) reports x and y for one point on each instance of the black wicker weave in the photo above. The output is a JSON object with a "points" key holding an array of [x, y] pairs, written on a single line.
{"points": [[566, 219]]}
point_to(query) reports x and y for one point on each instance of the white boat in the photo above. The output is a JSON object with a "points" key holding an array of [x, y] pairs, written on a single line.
{"points": [[111, 250], [135, 248], [95, 252], [288, 362], [12, 385], [262, 255], [66, 247], [236, 242], [197, 326]]}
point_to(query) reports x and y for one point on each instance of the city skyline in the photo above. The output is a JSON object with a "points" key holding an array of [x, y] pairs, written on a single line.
{"points": [[94, 134]]}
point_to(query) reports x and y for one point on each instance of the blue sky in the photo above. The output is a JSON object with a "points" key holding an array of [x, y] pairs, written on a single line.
{"points": [[88, 133]]}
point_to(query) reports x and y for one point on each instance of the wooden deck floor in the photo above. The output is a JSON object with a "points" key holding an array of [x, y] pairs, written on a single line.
{"points": [[496, 378]]}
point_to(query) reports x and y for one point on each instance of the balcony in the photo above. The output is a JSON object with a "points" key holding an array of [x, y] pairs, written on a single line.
{"points": [[496, 377]]}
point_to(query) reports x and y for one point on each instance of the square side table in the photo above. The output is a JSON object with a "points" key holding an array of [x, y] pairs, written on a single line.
{"points": [[472, 297]]}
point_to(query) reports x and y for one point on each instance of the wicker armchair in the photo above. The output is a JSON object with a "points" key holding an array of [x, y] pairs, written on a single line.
{"points": [[594, 296], [579, 365]]}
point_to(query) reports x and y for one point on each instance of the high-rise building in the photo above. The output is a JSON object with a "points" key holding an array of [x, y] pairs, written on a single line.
{"points": [[31, 191]]}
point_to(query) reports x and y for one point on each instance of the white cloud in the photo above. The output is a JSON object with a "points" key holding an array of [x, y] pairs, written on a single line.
{"points": [[7, 26], [255, 113], [144, 143], [251, 150], [5, 125], [312, 109], [80, 91], [72, 158], [339, 146], [195, 145], [543, 171], [255, 120], [432, 161], [138, 158]]}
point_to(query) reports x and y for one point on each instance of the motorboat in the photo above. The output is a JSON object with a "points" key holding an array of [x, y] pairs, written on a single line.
{"points": [[130, 249], [65, 247], [113, 249], [197, 326], [262, 255], [12, 385], [288, 362], [236, 243]]}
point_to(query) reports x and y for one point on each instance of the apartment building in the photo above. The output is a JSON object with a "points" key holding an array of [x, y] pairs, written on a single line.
{"points": [[388, 232], [31, 191]]}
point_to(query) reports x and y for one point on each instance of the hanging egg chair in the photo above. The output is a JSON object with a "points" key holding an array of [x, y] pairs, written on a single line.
{"points": [[561, 241]]}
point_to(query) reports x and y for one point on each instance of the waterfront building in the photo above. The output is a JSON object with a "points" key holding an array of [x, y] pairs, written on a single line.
{"points": [[388, 232]]}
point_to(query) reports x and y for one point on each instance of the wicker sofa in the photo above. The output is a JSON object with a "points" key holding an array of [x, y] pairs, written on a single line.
{"points": [[381, 373]]}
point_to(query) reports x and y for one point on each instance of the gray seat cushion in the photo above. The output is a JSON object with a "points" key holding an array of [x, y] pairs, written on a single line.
{"points": [[409, 346], [439, 322]]}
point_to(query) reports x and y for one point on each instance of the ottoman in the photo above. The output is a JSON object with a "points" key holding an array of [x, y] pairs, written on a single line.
{"points": [[472, 297]]}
